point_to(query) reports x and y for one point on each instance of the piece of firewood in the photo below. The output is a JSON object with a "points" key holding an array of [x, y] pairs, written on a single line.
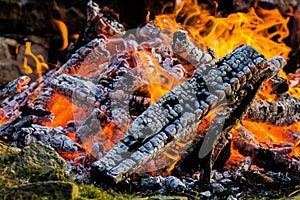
{"points": [[284, 111], [14, 87], [262, 157], [178, 113], [99, 22]]}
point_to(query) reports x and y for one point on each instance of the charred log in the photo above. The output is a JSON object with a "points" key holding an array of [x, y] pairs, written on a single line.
{"points": [[98, 22], [229, 116], [284, 111], [8, 108]]}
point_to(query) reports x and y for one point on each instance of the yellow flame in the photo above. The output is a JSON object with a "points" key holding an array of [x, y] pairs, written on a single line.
{"points": [[64, 33], [39, 61], [27, 68], [262, 29]]}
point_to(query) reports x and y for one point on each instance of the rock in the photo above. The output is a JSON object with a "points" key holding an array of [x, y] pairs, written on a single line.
{"points": [[39, 161], [7, 153], [44, 190], [8, 64]]}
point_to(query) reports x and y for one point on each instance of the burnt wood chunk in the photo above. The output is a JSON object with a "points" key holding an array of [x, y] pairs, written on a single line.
{"points": [[55, 137], [187, 50], [284, 111], [178, 113]]}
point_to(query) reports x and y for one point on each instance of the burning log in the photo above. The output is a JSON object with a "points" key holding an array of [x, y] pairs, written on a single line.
{"points": [[215, 149], [99, 22], [262, 157], [14, 87], [14, 96], [168, 120], [284, 111]]}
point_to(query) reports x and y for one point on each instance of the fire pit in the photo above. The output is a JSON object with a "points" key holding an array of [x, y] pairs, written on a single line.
{"points": [[200, 100]]}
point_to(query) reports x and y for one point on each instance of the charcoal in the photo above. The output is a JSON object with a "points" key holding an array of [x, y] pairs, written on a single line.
{"points": [[13, 95], [217, 188], [85, 56], [54, 137], [278, 84], [178, 113], [165, 184], [79, 90], [148, 32], [8, 130], [284, 111], [270, 160], [92, 125], [25, 129]]}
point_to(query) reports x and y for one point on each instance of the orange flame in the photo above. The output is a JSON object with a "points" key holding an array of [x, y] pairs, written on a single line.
{"points": [[148, 17], [160, 80], [225, 34]]}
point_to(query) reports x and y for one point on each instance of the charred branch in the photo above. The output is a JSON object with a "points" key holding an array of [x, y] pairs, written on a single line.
{"points": [[14, 87], [9, 106], [98, 22], [284, 111]]}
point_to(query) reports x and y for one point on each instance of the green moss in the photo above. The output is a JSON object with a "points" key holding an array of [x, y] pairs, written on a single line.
{"points": [[92, 192]]}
